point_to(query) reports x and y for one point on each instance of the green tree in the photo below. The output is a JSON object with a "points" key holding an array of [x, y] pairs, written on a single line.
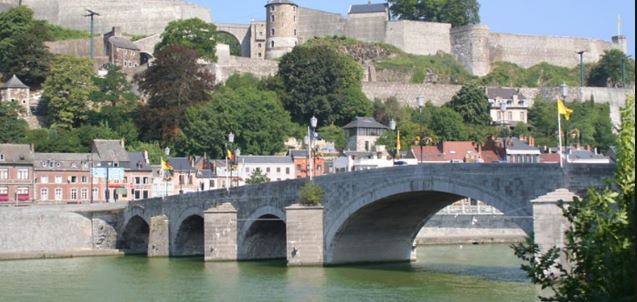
{"points": [[13, 127], [173, 83], [521, 129], [456, 12], [600, 241], [612, 69], [255, 116], [385, 111], [22, 49], [230, 40], [257, 177], [194, 33], [67, 91], [319, 81], [311, 194], [54, 140], [472, 104], [334, 134], [446, 124], [113, 88], [155, 152]]}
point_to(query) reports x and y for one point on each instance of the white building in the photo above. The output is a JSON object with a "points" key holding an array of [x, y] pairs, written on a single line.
{"points": [[508, 106], [363, 133], [276, 168]]}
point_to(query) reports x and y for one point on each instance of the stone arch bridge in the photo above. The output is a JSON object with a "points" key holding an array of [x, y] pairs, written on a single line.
{"points": [[365, 216]]}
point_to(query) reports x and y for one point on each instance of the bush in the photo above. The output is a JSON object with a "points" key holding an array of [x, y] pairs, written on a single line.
{"points": [[311, 194]]}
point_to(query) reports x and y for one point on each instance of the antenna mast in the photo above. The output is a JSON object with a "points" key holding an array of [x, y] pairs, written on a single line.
{"points": [[91, 14]]}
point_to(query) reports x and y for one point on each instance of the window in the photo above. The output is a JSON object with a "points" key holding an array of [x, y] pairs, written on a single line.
{"points": [[182, 180], [522, 115], [58, 179], [23, 174], [1, 157], [73, 179], [137, 195], [95, 194], [272, 8], [84, 194], [145, 194], [44, 179], [267, 170], [287, 171], [84, 179], [272, 44], [272, 31], [211, 183], [4, 173], [278, 170], [295, 32], [510, 116], [190, 179], [4, 191], [259, 45], [272, 18], [298, 169], [137, 180], [58, 194], [73, 194], [145, 180], [44, 194]]}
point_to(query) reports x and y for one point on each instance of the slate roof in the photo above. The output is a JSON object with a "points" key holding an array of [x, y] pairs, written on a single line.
{"points": [[519, 145], [503, 93], [109, 150], [584, 154], [61, 161], [138, 162], [298, 153], [251, 159], [14, 82], [16, 154], [368, 8], [181, 164], [365, 122], [121, 42]]}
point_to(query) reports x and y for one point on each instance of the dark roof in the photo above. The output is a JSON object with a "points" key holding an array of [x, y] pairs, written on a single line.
{"points": [[16, 154], [365, 122], [517, 144], [110, 150], [585, 154], [121, 42], [251, 159], [205, 174], [138, 161], [368, 8], [14, 82], [503, 93], [181, 164], [61, 161], [271, 2], [298, 153]]}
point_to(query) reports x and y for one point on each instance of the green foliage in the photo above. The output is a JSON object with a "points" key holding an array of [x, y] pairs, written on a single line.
{"points": [[59, 33], [334, 134], [521, 129], [446, 124], [385, 111], [67, 91], [22, 49], [541, 75], [311, 194], [13, 127], [173, 83], [255, 116], [155, 152], [446, 68], [321, 82], [257, 177], [456, 12], [472, 104], [612, 70], [230, 40], [113, 88], [600, 239], [195, 34]]}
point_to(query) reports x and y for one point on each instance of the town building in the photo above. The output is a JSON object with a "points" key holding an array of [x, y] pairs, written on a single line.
{"points": [[16, 173], [16, 91], [508, 107], [276, 168], [454, 152], [302, 164], [362, 134], [120, 50], [182, 175], [522, 151], [109, 163], [138, 177], [582, 156], [63, 178]]}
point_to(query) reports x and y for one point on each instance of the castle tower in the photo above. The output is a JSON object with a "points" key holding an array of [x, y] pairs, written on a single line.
{"points": [[15, 91], [281, 28]]}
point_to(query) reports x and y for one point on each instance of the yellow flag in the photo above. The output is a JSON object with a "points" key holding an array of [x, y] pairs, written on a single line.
{"points": [[229, 155], [166, 166], [563, 110], [398, 142]]}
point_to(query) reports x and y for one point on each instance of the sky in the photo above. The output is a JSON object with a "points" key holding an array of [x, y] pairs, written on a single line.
{"points": [[573, 18]]}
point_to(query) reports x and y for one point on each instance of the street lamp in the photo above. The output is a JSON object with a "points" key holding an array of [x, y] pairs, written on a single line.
{"points": [[581, 68], [230, 151], [313, 124], [421, 103], [392, 126], [564, 94], [503, 110]]}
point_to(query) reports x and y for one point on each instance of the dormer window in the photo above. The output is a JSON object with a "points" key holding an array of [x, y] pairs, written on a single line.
{"points": [[1, 157]]}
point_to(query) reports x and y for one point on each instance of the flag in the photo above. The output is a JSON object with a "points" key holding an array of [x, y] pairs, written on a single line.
{"points": [[316, 136], [563, 110], [398, 144], [229, 155], [166, 166]]}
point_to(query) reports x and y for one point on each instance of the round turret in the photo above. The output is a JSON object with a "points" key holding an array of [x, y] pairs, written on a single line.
{"points": [[281, 28]]}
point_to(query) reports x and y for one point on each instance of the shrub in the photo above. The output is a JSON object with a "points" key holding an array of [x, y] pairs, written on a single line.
{"points": [[311, 194]]}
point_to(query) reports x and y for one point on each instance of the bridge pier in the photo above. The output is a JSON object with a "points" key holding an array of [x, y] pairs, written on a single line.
{"points": [[220, 233], [159, 237], [549, 223], [304, 231]]}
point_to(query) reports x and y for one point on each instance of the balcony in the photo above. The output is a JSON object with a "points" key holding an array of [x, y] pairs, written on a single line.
{"points": [[23, 197]]}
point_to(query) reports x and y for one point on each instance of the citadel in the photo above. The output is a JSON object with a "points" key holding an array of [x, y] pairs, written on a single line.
{"points": [[287, 25]]}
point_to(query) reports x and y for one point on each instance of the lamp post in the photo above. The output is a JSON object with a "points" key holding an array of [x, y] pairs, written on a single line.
{"points": [[392, 126], [421, 104], [564, 93], [581, 68], [313, 124], [91, 14], [107, 192], [503, 110], [228, 164]]}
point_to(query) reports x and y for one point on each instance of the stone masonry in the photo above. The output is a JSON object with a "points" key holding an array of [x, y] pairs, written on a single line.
{"points": [[220, 233], [304, 235], [158, 237]]}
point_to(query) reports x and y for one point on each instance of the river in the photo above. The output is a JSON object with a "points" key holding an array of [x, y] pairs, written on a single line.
{"points": [[442, 273]]}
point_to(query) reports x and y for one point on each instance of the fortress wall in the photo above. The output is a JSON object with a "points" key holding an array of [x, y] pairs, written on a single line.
{"points": [[80, 48], [421, 38], [141, 17], [470, 46], [367, 28], [148, 44], [315, 23], [527, 51], [229, 65]]}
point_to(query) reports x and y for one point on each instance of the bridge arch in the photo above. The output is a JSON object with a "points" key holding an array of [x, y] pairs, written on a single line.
{"points": [[189, 238], [232, 40], [263, 235], [381, 226], [134, 237]]}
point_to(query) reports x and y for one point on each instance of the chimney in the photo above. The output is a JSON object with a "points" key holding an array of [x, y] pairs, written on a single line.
{"points": [[146, 157], [122, 143], [117, 31]]}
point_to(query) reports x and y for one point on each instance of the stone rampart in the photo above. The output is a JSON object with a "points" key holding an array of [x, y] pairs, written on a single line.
{"points": [[410, 36], [80, 48], [229, 65], [470, 46], [315, 23], [134, 17]]}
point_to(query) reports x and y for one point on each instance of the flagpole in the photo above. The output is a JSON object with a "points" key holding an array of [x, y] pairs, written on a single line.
{"points": [[227, 186], [559, 133]]}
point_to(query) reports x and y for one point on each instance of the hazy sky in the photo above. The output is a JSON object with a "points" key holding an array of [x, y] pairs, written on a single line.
{"points": [[577, 18]]}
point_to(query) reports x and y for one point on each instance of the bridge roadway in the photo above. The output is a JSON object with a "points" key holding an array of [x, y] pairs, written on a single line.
{"points": [[366, 216]]}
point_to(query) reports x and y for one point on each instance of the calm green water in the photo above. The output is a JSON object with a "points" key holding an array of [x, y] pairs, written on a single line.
{"points": [[442, 273]]}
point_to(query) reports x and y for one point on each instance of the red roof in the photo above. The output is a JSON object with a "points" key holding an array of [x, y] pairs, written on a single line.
{"points": [[429, 154], [458, 150], [550, 158], [489, 156]]}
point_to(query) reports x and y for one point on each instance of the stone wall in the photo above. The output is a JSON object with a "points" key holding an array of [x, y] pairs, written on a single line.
{"points": [[228, 65], [80, 48], [453, 229], [470, 46], [421, 38], [135, 17], [315, 23]]}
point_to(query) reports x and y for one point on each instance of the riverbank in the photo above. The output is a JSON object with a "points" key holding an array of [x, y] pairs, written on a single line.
{"points": [[58, 254], [444, 236]]}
